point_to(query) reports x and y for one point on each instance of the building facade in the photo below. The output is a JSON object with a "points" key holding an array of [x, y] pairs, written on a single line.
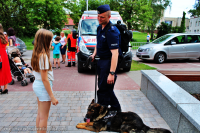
{"points": [[194, 25]]}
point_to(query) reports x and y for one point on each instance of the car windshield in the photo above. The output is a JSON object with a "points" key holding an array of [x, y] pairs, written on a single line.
{"points": [[89, 26], [162, 39]]}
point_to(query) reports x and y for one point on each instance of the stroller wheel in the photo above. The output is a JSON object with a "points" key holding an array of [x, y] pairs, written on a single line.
{"points": [[32, 79], [24, 83], [12, 82], [19, 78]]}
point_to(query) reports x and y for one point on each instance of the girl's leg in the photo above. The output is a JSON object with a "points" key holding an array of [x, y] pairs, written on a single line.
{"points": [[5, 86], [43, 115], [54, 62], [38, 114]]}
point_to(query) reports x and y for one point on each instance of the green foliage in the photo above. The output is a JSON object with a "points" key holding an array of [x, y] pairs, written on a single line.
{"points": [[163, 29], [135, 13], [26, 16], [139, 37], [182, 27], [158, 7], [196, 11], [66, 32]]}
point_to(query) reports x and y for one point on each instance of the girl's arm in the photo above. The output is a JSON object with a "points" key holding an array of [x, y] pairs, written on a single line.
{"points": [[52, 47], [11, 42]]}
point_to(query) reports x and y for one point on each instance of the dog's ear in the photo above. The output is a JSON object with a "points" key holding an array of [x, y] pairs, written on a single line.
{"points": [[92, 101]]}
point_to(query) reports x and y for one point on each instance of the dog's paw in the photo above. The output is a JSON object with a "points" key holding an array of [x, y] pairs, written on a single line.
{"points": [[80, 126]]}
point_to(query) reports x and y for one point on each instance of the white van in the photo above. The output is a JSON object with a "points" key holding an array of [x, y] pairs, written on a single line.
{"points": [[87, 31]]}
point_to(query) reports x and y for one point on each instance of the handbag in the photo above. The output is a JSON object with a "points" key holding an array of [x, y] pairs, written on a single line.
{"points": [[0, 62]]}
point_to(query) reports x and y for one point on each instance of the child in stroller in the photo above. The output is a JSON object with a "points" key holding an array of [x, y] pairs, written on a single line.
{"points": [[21, 74], [27, 71]]}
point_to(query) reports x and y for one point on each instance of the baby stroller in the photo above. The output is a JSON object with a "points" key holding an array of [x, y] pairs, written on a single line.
{"points": [[15, 71]]}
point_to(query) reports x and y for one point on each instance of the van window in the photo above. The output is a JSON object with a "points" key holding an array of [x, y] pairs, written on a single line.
{"points": [[181, 39], [162, 39], [193, 38], [89, 27]]}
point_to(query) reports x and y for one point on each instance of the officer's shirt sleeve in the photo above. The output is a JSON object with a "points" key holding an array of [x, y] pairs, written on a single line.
{"points": [[113, 38]]}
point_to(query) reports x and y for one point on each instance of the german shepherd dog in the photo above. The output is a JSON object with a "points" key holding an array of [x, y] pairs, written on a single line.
{"points": [[99, 119]]}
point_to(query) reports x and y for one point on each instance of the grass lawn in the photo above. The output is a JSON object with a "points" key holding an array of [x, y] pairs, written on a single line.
{"points": [[139, 37], [135, 66], [28, 42]]}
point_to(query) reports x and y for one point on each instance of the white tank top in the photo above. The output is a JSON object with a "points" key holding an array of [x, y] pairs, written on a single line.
{"points": [[62, 40]]}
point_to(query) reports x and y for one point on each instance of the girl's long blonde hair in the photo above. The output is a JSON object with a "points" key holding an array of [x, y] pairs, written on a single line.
{"points": [[42, 44]]}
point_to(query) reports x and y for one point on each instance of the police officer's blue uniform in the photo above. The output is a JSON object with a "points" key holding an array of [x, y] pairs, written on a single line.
{"points": [[106, 95]]}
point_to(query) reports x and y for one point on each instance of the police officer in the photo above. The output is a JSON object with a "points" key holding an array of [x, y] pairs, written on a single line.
{"points": [[108, 50]]}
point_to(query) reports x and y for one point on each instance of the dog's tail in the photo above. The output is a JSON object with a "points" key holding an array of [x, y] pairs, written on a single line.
{"points": [[158, 130]]}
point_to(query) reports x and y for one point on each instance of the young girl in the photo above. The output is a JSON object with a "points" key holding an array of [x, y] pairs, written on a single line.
{"points": [[43, 73]]}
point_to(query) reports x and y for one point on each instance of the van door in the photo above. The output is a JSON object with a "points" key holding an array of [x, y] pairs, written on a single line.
{"points": [[193, 46], [178, 47]]}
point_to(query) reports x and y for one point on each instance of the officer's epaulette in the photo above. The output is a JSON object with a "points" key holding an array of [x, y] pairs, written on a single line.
{"points": [[112, 28]]}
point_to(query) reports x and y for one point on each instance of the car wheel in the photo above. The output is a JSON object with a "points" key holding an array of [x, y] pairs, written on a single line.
{"points": [[80, 70], [127, 69], [160, 58], [32, 79]]}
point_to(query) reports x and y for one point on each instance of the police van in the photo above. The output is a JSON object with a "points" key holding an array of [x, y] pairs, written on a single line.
{"points": [[87, 32]]}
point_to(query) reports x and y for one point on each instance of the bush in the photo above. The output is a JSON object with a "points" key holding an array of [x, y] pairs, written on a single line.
{"points": [[67, 32]]}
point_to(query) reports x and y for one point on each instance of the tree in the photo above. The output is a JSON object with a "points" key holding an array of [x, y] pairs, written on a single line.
{"points": [[182, 27], [196, 11], [158, 7], [163, 29], [49, 14], [136, 13]]}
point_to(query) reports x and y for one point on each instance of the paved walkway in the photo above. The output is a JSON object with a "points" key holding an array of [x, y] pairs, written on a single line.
{"points": [[74, 91]]}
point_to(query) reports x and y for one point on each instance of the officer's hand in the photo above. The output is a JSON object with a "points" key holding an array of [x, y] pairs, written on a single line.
{"points": [[110, 79], [92, 57]]}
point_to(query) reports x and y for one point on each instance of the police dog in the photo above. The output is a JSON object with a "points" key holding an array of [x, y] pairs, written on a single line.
{"points": [[100, 118]]}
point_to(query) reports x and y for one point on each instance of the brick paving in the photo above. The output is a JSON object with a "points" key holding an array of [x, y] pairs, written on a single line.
{"points": [[18, 110], [74, 91], [68, 79]]}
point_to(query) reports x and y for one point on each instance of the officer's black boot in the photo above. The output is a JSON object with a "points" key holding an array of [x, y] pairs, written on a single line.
{"points": [[69, 64], [73, 63]]}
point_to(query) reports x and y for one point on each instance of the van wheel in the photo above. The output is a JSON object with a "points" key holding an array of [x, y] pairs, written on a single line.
{"points": [[160, 58], [80, 70]]}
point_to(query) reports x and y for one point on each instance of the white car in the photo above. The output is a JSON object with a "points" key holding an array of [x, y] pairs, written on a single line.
{"points": [[171, 46]]}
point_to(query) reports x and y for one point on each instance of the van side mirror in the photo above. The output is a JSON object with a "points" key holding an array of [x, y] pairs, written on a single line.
{"points": [[74, 34]]}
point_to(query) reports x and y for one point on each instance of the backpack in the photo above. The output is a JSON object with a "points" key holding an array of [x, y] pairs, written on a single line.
{"points": [[126, 36]]}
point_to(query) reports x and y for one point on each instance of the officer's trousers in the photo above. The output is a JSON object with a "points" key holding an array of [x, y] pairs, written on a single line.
{"points": [[105, 94]]}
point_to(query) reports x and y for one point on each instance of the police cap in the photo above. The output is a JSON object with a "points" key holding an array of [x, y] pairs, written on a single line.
{"points": [[103, 8]]}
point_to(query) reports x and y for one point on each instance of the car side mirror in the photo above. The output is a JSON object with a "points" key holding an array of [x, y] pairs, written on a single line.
{"points": [[74, 34], [173, 43]]}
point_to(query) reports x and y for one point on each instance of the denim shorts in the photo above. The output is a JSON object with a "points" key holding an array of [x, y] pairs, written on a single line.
{"points": [[40, 91], [63, 50]]}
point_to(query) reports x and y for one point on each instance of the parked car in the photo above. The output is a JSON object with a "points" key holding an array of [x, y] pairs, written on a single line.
{"points": [[20, 45], [171, 46], [87, 31]]}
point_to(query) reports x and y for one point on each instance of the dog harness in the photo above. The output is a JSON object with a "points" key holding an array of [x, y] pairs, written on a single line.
{"points": [[108, 118]]}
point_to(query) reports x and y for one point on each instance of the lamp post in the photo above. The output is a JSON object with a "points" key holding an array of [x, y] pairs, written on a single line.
{"points": [[87, 5]]}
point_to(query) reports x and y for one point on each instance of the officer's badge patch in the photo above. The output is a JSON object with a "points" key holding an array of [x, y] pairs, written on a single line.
{"points": [[112, 27]]}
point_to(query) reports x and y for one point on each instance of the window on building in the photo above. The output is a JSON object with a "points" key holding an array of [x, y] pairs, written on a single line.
{"points": [[191, 24], [194, 31], [197, 31], [196, 23], [187, 27]]}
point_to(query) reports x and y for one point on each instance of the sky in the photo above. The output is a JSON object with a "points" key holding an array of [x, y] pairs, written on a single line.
{"points": [[177, 8]]}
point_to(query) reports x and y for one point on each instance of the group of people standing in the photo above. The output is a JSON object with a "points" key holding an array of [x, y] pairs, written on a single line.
{"points": [[59, 45], [6, 39]]}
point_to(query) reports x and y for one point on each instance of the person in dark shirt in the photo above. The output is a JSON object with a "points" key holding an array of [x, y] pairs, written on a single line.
{"points": [[108, 50]]}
